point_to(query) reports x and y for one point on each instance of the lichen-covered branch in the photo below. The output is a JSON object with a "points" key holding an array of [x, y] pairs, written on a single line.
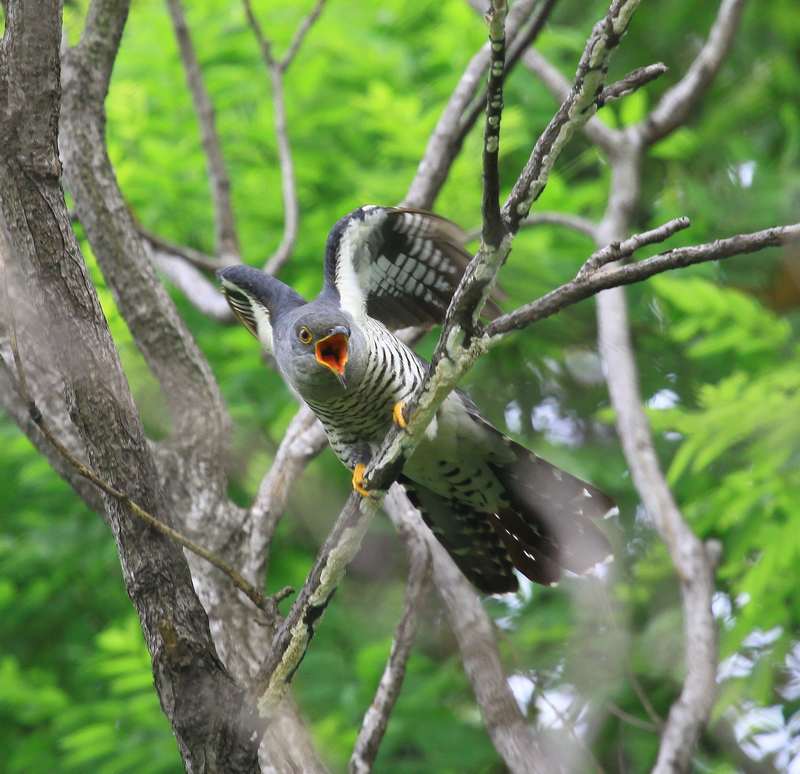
{"points": [[575, 110]]}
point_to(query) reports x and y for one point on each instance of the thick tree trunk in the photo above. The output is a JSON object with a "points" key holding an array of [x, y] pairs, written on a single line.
{"points": [[60, 321]]}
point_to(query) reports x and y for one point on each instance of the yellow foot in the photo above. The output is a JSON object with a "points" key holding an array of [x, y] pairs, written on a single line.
{"points": [[358, 477], [397, 414]]}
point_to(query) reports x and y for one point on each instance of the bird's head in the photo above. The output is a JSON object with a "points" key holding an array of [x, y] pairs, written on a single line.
{"points": [[320, 350], [258, 300]]}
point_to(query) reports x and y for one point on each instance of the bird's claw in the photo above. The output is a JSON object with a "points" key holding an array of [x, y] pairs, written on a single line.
{"points": [[358, 478], [398, 416]]}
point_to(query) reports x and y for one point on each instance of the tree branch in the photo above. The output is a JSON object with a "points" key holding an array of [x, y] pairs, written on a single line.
{"points": [[200, 424], [574, 222], [580, 288], [633, 81], [616, 251], [300, 34], [493, 229], [464, 105], [276, 69], [511, 735], [377, 716], [303, 440], [224, 223], [676, 104], [574, 112]]}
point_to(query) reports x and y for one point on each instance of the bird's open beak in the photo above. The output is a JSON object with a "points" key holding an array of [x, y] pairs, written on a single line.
{"points": [[332, 352]]}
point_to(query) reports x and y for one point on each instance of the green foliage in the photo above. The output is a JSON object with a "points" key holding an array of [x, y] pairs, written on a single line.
{"points": [[720, 342]]}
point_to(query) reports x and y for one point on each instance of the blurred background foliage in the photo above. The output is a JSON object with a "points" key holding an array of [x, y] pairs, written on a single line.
{"points": [[717, 348]]}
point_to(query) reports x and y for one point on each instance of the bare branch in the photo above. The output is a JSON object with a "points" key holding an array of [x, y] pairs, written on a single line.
{"points": [[291, 209], [633, 81], [300, 34], [578, 289], [511, 735], [616, 251], [377, 716], [687, 715], [224, 224], [574, 112], [464, 105], [190, 255], [676, 104], [304, 439], [195, 286]]}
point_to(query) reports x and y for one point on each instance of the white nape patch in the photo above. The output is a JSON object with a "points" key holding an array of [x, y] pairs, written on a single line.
{"points": [[611, 512], [263, 326], [354, 261]]}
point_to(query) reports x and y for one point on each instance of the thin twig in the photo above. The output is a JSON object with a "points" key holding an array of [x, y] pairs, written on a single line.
{"points": [[275, 69], [574, 112], [225, 225], [616, 251], [376, 719], [465, 105], [631, 719], [633, 81], [675, 105], [300, 33], [291, 205]]}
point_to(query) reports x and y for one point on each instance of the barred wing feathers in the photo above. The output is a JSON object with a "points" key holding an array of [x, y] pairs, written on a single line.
{"points": [[395, 264]]}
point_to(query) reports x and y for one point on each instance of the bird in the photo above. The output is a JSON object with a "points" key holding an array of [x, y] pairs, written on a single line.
{"points": [[493, 504]]}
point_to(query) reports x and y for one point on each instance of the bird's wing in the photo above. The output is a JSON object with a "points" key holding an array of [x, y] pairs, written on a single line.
{"points": [[395, 264]]}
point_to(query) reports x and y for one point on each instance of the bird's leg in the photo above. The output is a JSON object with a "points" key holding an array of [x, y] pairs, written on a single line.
{"points": [[398, 414]]}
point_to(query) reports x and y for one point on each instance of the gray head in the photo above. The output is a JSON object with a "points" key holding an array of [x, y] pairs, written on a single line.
{"points": [[317, 347]]}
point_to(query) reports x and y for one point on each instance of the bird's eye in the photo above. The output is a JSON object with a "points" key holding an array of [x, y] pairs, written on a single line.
{"points": [[304, 335]]}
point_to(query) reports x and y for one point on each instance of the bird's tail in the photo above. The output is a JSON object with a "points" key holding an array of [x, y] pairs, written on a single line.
{"points": [[546, 525], [550, 522]]}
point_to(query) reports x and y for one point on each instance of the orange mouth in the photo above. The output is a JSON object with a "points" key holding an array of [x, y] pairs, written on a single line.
{"points": [[332, 352]]}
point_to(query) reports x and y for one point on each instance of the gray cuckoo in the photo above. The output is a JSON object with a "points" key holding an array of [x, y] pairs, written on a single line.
{"points": [[492, 503]]}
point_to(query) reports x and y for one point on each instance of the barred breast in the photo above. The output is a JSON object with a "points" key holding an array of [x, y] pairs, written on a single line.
{"points": [[358, 420]]}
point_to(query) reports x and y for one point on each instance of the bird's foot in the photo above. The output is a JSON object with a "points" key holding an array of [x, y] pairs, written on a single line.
{"points": [[398, 414], [358, 478]]}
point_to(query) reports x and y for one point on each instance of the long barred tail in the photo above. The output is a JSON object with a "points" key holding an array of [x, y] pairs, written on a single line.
{"points": [[469, 537], [546, 526], [550, 522]]}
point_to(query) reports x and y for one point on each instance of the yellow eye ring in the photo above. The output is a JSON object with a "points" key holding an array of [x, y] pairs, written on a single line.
{"points": [[305, 335]]}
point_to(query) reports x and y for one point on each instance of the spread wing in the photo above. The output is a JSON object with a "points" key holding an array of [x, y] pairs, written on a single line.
{"points": [[395, 264]]}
